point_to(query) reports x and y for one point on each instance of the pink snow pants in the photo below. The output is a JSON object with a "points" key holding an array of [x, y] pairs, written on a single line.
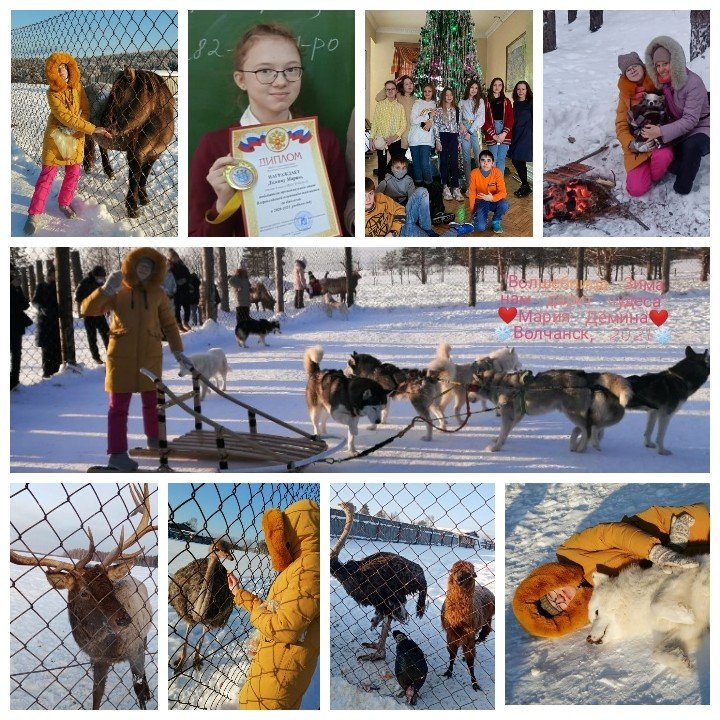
{"points": [[118, 407], [44, 184], [641, 178]]}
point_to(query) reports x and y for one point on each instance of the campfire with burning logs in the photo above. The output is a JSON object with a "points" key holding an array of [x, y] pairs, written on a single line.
{"points": [[579, 193]]}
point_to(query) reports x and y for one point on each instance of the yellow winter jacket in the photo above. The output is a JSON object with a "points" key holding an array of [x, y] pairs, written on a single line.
{"points": [[288, 620], [69, 108]]}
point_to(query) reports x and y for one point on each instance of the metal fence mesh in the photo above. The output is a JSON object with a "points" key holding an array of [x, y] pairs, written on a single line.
{"points": [[198, 515], [48, 668], [434, 526], [104, 43]]}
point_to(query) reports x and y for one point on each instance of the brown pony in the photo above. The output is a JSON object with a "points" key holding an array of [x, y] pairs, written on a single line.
{"points": [[140, 114]]}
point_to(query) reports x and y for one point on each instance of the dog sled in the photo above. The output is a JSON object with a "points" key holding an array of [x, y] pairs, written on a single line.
{"points": [[251, 451]]}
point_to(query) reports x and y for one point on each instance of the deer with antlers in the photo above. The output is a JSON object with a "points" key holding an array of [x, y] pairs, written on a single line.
{"points": [[109, 609]]}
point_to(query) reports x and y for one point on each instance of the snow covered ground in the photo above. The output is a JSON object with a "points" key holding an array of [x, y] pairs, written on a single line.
{"points": [[100, 202], [538, 518], [39, 678], [580, 99], [372, 685], [226, 662], [59, 424]]}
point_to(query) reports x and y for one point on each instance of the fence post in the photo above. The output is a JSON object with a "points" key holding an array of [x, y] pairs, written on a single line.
{"points": [[472, 277], [39, 272], [65, 300], [210, 311], [223, 273], [32, 282], [279, 279], [76, 268], [24, 282], [348, 275]]}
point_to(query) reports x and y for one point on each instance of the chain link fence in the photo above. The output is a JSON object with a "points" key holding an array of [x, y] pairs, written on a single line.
{"points": [[431, 527], [54, 633], [199, 515], [104, 43]]}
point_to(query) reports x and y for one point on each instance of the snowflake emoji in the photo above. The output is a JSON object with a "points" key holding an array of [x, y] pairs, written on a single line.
{"points": [[663, 335], [503, 333]]}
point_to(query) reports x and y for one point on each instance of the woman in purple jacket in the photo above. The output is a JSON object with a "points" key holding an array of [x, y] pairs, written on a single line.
{"points": [[688, 107]]}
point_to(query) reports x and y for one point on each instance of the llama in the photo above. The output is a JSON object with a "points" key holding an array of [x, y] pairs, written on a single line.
{"points": [[200, 595], [383, 580], [468, 610]]}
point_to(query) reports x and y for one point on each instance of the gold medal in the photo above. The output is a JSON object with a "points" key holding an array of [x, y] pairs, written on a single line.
{"points": [[241, 175]]}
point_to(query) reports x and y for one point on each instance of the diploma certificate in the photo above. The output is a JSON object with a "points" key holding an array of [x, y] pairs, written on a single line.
{"points": [[291, 195]]}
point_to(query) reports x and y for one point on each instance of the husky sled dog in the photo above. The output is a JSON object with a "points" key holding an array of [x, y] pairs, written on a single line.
{"points": [[674, 607], [420, 387], [591, 401], [245, 328], [455, 379], [330, 392], [211, 364], [662, 394]]}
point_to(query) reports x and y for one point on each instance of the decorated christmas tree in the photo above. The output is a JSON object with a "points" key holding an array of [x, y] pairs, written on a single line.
{"points": [[447, 52]]}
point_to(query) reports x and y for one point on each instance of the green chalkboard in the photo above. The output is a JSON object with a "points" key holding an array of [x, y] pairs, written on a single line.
{"points": [[327, 40]]}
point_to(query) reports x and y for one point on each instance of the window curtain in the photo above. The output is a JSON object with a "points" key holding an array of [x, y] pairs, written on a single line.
{"points": [[405, 58]]}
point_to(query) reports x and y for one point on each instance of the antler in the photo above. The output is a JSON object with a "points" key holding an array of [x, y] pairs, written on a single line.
{"points": [[56, 564], [142, 502]]}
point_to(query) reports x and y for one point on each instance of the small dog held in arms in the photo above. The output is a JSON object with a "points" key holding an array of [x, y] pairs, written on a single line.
{"points": [[250, 326], [649, 111], [210, 364], [466, 615], [330, 393], [672, 608]]}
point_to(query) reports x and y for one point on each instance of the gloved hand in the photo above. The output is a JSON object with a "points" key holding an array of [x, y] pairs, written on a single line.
{"points": [[680, 528], [665, 557], [182, 359], [113, 283]]}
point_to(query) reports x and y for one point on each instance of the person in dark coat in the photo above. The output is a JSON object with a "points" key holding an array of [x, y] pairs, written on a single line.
{"points": [[19, 321], [182, 275], [47, 326], [195, 313], [93, 325], [521, 145]]}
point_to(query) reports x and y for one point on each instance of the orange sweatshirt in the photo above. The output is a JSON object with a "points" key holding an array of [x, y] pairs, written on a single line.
{"points": [[385, 215], [494, 184]]}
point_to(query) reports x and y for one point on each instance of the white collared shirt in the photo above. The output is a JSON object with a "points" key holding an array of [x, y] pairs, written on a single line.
{"points": [[248, 118]]}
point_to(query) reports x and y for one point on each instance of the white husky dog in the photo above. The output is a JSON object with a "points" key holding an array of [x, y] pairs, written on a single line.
{"points": [[455, 378], [211, 364], [671, 605]]}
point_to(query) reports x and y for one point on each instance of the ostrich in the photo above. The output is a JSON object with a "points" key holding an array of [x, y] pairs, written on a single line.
{"points": [[383, 580], [200, 595]]}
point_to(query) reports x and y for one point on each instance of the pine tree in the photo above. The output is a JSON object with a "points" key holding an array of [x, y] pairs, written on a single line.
{"points": [[447, 52]]}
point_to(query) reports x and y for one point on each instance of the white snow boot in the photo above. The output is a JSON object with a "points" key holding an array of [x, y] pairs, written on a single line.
{"points": [[122, 461]]}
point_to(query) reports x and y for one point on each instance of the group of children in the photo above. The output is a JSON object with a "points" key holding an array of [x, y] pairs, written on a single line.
{"points": [[396, 207]]}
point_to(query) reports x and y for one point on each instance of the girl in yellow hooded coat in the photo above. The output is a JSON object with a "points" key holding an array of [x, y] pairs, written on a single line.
{"points": [[64, 139], [553, 599], [288, 620]]}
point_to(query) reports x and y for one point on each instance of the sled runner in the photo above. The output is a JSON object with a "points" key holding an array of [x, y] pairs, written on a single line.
{"points": [[259, 451]]}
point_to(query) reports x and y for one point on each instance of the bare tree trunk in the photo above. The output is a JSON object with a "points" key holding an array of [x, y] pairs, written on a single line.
{"points": [[423, 267], [699, 32], [24, 284], [704, 264], [39, 272], [65, 302], [348, 276], [549, 36], [572, 16], [279, 279], [666, 270], [76, 268], [596, 20], [223, 279], [580, 271], [649, 269], [32, 282], [208, 300], [472, 276]]}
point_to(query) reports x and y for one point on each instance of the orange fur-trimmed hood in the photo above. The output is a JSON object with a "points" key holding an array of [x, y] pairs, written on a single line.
{"points": [[130, 263], [538, 583], [52, 76], [292, 533]]}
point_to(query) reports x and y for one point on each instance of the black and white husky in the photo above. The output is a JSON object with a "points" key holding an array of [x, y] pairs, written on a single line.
{"points": [[420, 387], [591, 401], [330, 392], [662, 393], [250, 326]]}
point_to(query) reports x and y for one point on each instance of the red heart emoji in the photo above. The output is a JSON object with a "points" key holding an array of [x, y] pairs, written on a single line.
{"points": [[508, 314], [658, 316]]}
